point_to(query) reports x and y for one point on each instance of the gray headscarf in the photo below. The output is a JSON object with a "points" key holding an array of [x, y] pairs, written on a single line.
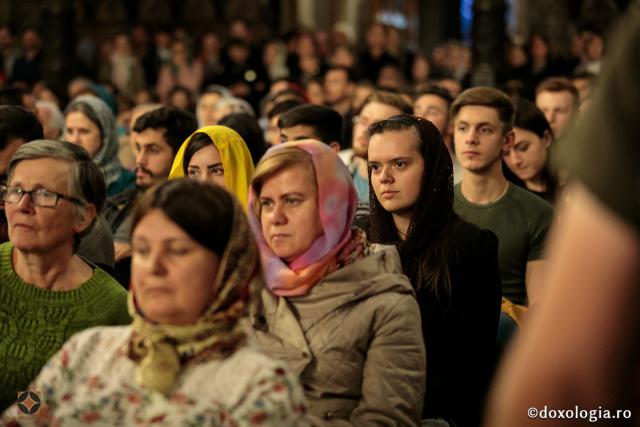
{"points": [[107, 155]]}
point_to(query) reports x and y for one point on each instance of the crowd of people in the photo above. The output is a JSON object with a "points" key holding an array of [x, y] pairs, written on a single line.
{"points": [[294, 234]]}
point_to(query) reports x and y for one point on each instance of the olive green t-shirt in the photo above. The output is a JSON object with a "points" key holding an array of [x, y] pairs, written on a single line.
{"points": [[521, 221]]}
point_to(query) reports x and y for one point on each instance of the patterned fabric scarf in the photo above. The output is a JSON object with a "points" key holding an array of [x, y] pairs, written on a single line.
{"points": [[235, 156], [337, 202], [107, 155], [161, 350]]}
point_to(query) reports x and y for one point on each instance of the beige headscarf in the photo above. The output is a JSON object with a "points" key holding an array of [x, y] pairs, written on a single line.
{"points": [[161, 350]]}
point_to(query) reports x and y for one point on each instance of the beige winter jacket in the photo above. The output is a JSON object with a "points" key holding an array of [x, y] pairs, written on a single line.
{"points": [[355, 340]]}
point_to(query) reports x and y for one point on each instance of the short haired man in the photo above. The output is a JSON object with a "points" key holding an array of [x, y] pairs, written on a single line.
{"points": [[272, 135], [433, 103], [482, 131], [311, 122], [378, 106], [159, 134], [339, 87], [559, 100]]}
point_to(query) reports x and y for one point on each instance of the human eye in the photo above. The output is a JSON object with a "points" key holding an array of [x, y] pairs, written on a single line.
{"points": [[401, 163], [486, 130], [375, 167], [292, 201], [140, 249], [154, 150], [219, 170], [178, 250], [461, 128], [522, 148], [266, 203], [193, 172]]}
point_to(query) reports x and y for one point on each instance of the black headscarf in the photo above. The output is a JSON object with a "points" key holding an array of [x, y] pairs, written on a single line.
{"points": [[424, 251]]}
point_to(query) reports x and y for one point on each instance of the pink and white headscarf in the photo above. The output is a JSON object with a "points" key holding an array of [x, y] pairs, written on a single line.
{"points": [[337, 202]]}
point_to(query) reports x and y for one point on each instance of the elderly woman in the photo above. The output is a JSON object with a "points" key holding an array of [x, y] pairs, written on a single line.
{"points": [[219, 155], [46, 292], [89, 122], [185, 360], [337, 310]]}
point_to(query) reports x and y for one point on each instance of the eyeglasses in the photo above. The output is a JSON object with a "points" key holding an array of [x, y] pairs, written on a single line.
{"points": [[40, 197]]}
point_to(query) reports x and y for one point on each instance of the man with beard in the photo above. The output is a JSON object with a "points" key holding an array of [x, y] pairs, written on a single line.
{"points": [[159, 134]]}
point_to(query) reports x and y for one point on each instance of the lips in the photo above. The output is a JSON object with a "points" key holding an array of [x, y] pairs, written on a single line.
{"points": [[388, 194], [470, 153]]}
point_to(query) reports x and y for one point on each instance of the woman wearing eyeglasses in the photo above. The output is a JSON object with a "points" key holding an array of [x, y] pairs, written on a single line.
{"points": [[47, 293]]}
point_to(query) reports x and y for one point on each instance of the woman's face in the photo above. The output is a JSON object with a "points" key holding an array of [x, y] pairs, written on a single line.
{"points": [[289, 212], [81, 131], [206, 165], [172, 275], [528, 155], [41, 229]]}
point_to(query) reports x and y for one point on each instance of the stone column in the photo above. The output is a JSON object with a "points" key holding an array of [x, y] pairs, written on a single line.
{"points": [[488, 37]]}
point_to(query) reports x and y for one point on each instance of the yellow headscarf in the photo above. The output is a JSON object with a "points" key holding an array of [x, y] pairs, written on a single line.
{"points": [[236, 160]]}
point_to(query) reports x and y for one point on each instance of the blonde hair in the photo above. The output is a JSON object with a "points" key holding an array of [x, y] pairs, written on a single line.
{"points": [[275, 162]]}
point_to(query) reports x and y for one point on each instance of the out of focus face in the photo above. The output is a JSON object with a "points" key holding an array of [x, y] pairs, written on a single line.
{"points": [[289, 212], [80, 130], [396, 169], [337, 86], [373, 112], [559, 110], [528, 155], [172, 274], [40, 229], [207, 108], [206, 165], [435, 109]]}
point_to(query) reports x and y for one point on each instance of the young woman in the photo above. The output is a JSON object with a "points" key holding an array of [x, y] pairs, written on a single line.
{"points": [[528, 159], [337, 310], [216, 154], [185, 359], [452, 264]]}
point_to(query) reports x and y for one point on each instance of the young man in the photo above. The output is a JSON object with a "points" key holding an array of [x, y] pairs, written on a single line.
{"points": [[379, 106], [339, 86], [311, 122], [559, 100], [159, 134], [482, 131], [433, 103]]}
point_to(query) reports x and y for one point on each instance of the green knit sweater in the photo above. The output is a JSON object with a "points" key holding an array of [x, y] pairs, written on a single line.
{"points": [[34, 323]]}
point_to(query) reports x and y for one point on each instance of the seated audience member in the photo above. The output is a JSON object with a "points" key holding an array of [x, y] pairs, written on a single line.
{"points": [[218, 155], [378, 106], [158, 136], [483, 132], [249, 130], [580, 349], [337, 310], [452, 264], [127, 147], [272, 134], [48, 292], [206, 105], [433, 103], [185, 359], [528, 158], [312, 122], [339, 85], [89, 122], [559, 100], [51, 118], [226, 106]]}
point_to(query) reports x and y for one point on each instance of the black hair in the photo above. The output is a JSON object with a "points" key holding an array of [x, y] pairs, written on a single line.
{"points": [[249, 130], [325, 121], [178, 124], [13, 96], [350, 73], [197, 142], [203, 211], [283, 106], [18, 122], [436, 90]]}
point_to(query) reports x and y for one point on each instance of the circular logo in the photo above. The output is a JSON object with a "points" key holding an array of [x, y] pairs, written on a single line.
{"points": [[28, 402]]}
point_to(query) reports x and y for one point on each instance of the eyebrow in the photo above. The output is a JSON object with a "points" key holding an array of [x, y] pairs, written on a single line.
{"points": [[215, 165], [395, 159]]}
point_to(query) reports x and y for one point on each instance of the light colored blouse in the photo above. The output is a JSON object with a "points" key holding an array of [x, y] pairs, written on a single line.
{"points": [[91, 381]]}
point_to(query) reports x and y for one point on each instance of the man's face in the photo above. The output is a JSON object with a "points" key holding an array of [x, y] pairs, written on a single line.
{"points": [[153, 157], [478, 138], [373, 112], [559, 110], [297, 133], [434, 109], [337, 86]]}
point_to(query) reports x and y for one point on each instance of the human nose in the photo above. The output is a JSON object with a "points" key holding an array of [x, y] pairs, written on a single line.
{"points": [[73, 137], [515, 158], [156, 263], [385, 175], [278, 215], [141, 158], [471, 137]]}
